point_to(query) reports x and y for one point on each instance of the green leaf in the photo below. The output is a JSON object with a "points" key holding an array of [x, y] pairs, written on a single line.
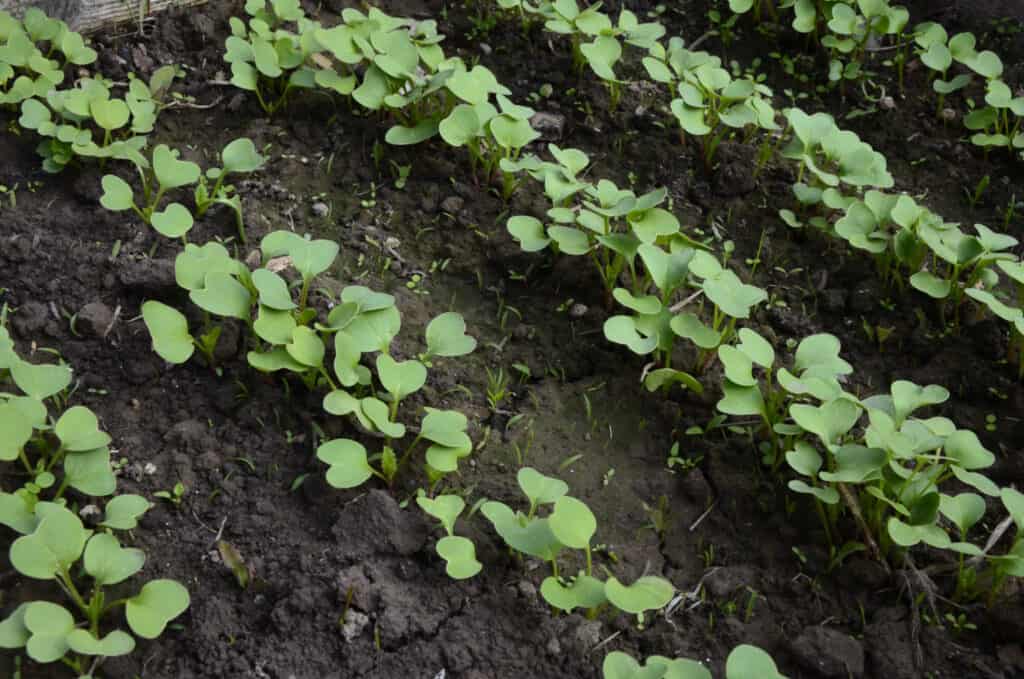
{"points": [[529, 232], [374, 330], [444, 508], [223, 295], [168, 329], [159, 602], [109, 114], [16, 513], [273, 290], [529, 536], [829, 421], [445, 427], [964, 510], [931, 285], [731, 295], [400, 135], [193, 264], [756, 348], [661, 378], [750, 662], [114, 644], [738, 366], [55, 544], [460, 555], [90, 472], [688, 326], [49, 625], [818, 356], [908, 397], [347, 460], [173, 222], [306, 347], [540, 489], [377, 413], [572, 522], [400, 378], [123, 511], [78, 430], [446, 336], [15, 432], [907, 535], [570, 241], [40, 381], [585, 591], [855, 464], [309, 257], [275, 327], [966, 451], [241, 156], [108, 562], [829, 496], [738, 400], [646, 594], [170, 172], [1013, 500], [13, 632]]}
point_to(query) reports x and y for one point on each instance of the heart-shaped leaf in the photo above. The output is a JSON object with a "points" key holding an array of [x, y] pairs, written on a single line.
{"points": [[117, 194], [78, 430], [223, 295], [750, 662], [444, 508], [539, 488], [114, 644], [241, 156], [646, 594], [109, 114], [445, 427], [123, 512], [349, 467], [159, 602], [168, 329], [585, 591], [108, 562], [446, 336], [13, 632], [15, 432], [40, 381], [306, 347], [400, 378], [377, 413], [56, 543], [90, 472], [173, 222], [460, 555], [49, 625], [572, 522], [964, 510], [170, 172]]}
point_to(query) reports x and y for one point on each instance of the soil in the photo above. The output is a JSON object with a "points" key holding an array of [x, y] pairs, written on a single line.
{"points": [[346, 584]]}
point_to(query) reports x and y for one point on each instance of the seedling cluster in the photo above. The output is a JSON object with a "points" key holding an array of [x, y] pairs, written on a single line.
{"points": [[876, 463], [63, 455]]}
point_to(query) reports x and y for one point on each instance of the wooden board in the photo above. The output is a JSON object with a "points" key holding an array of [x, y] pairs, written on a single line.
{"points": [[89, 16]]}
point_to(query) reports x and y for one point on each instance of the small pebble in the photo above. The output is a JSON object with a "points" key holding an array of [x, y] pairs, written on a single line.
{"points": [[320, 209], [578, 310]]}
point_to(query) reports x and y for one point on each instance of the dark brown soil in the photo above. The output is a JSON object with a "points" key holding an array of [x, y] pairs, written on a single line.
{"points": [[243, 446]]}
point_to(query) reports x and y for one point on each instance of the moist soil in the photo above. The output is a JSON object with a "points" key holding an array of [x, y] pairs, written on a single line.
{"points": [[346, 584]]}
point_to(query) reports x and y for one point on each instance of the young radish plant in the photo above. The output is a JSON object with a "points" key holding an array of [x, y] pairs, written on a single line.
{"points": [[238, 157], [367, 322], [744, 662], [166, 173], [58, 453], [458, 552], [59, 548], [569, 525]]}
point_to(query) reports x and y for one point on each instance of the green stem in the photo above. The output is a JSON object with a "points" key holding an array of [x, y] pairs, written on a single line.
{"points": [[589, 560]]}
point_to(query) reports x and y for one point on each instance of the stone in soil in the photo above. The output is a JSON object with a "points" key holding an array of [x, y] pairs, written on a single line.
{"points": [[828, 652]]}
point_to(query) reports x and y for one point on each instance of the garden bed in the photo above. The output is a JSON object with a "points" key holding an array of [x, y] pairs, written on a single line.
{"points": [[347, 583]]}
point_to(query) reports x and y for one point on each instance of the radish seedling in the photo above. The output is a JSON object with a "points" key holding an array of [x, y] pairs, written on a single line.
{"points": [[572, 525], [239, 156], [458, 552], [166, 173], [744, 662], [707, 102], [49, 632]]}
